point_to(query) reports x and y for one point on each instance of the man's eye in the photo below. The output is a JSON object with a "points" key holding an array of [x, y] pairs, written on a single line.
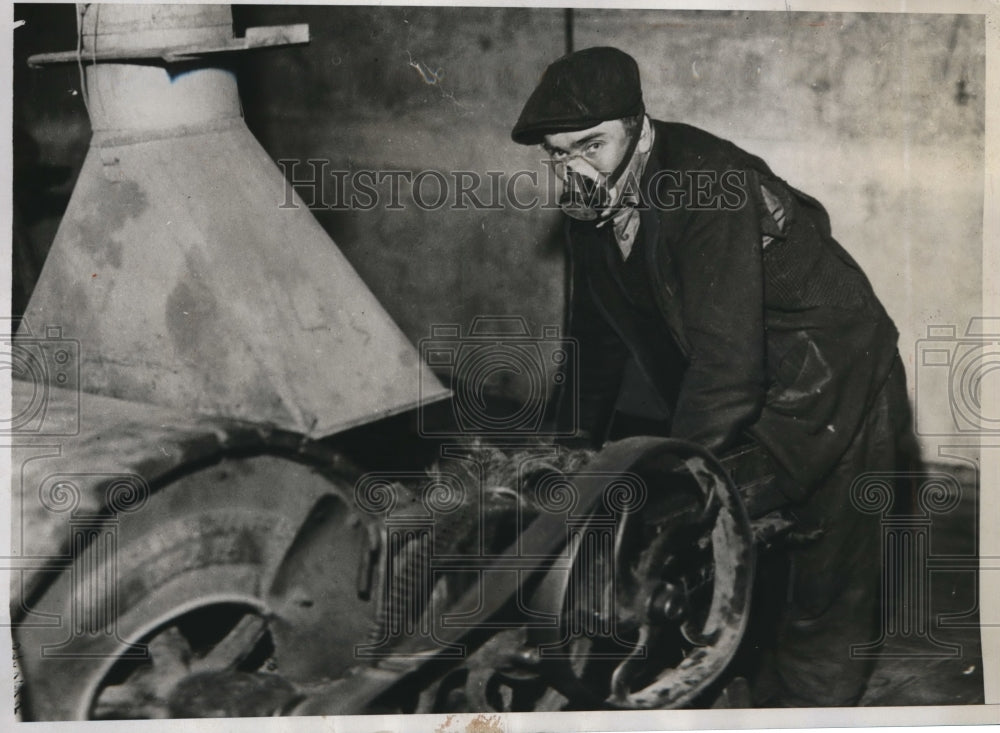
{"points": [[557, 154], [592, 148]]}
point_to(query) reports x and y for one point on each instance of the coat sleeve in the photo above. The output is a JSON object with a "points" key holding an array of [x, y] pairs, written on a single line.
{"points": [[717, 254]]}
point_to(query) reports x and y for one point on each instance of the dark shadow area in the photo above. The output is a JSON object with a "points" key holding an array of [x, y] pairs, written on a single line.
{"points": [[51, 134]]}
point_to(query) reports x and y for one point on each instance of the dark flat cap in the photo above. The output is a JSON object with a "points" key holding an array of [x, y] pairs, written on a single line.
{"points": [[578, 91]]}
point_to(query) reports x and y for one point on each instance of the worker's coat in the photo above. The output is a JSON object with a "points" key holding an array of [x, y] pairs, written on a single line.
{"points": [[762, 323]]}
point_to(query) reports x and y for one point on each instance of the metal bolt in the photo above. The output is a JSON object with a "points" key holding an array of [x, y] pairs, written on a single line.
{"points": [[667, 603], [527, 656]]}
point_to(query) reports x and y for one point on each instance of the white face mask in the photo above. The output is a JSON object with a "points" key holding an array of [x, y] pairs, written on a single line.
{"points": [[586, 195], [589, 194]]}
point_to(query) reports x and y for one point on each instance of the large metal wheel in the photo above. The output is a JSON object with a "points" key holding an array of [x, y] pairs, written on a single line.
{"points": [[653, 613], [246, 565]]}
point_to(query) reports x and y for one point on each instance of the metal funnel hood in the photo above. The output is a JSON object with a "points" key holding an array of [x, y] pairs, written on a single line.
{"points": [[186, 281]]}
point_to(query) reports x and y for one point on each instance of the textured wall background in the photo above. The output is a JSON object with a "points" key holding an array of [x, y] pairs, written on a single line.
{"points": [[355, 97], [879, 116]]}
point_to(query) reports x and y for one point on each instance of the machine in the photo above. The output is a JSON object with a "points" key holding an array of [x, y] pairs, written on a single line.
{"points": [[190, 539]]}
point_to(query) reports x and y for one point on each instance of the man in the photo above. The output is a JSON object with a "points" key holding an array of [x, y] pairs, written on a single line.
{"points": [[711, 303]]}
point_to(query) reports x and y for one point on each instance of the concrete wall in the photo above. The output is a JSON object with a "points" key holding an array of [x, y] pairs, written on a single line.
{"points": [[879, 116], [357, 98]]}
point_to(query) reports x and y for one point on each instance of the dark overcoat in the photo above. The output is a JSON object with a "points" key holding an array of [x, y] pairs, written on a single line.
{"points": [[786, 342]]}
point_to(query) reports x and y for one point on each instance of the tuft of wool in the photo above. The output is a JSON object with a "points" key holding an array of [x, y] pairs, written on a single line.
{"points": [[496, 503], [512, 470]]}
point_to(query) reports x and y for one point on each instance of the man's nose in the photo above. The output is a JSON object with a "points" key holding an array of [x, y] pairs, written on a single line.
{"points": [[577, 164], [564, 167]]}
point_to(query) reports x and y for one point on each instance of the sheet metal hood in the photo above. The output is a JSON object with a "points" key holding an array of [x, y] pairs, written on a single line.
{"points": [[186, 279]]}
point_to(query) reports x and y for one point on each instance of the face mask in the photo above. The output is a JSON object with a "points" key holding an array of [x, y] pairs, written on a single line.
{"points": [[589, 194], [586, 195]]}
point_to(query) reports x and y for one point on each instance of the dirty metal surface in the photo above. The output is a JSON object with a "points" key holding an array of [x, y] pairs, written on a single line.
{"points": [[120, 450], [164, 31], [716, 630], [536, 547], [188, 284], [146, 521], [259, 37], [201, 580], [191, 275]]}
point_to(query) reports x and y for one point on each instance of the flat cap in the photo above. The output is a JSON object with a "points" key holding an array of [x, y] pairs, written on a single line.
{"points": [[578, 91]]}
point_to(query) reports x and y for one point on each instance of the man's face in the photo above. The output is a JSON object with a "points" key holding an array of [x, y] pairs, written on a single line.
{"points": [[603, 147]]}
